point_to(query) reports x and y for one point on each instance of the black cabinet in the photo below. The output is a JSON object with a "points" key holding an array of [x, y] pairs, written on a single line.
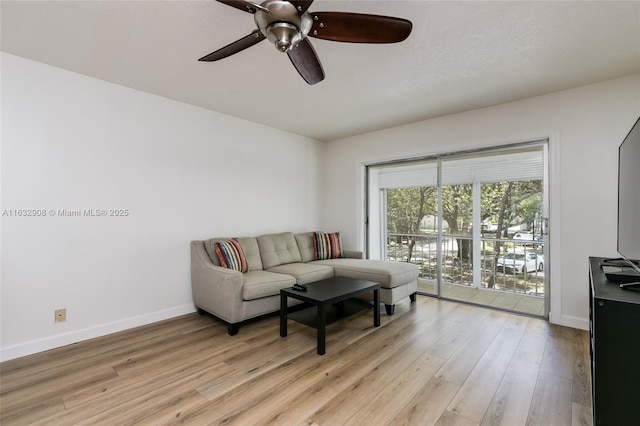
{"points": [[614, 326]]}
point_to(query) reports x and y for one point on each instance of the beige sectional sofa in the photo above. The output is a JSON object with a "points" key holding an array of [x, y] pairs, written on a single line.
{"points": [[277, 261]]}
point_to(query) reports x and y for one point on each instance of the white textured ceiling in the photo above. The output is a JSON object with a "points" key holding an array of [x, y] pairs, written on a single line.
{"points": [[460, 56]]}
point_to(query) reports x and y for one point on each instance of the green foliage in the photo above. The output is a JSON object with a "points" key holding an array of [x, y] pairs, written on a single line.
{"points": [[503, 204], [406, 207], [457, 208]]}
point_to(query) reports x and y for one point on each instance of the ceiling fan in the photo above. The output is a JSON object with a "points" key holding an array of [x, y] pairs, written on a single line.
{"points": [[288, 24]]}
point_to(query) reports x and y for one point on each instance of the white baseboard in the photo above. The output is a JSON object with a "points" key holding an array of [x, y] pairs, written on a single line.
{"points": [[574, 322], [59, 340]]}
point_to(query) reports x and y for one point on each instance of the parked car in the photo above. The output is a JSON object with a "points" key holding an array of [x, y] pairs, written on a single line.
{"points": [[521, 263], [526, 236], [529, 238]]}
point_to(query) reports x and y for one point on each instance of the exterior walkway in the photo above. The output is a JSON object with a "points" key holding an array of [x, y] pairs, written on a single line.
{"points": [[530, 305]]}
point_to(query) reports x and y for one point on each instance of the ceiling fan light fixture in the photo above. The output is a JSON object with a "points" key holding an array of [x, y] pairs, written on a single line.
{"points": [[284, 35], [288, 25]]}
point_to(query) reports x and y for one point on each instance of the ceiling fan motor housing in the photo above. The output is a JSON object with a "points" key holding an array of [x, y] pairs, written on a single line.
{"points": [[282, 24]]}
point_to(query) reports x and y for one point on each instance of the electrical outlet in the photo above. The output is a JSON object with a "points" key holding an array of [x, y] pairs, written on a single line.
{"points": [[60, 315]]}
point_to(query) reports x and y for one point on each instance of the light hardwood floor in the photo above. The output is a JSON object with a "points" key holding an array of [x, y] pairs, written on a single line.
{"points": [[433, 362]]}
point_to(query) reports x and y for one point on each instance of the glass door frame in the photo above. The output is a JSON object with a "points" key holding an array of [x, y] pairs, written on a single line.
{"points": [[476, 241]]}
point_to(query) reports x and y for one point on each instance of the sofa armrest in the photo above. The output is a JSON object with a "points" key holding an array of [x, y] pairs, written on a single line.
{"points": [[353, 254], [215, 289]]}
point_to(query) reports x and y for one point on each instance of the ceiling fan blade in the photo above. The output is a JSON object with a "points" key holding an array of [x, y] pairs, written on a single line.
{"points": [[245, 6], [306, 61], [302, 5], [235, 47], [359, 28]]}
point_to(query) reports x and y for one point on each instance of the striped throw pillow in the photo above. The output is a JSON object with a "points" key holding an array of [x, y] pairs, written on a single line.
{"points": [[327, 245], [231, 255]]}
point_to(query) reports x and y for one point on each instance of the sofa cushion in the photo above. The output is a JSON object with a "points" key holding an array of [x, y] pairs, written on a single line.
{"points": [[306, 246], [278, 249], [249, 246], [252, 252], [327, 245], [258, 284], [388, 274], [305, 273], [231, 255]]}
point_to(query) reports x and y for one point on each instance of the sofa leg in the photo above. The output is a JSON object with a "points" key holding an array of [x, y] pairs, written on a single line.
{"points": [[391, 309], [412, 296], [201, 311], [233, 329]]}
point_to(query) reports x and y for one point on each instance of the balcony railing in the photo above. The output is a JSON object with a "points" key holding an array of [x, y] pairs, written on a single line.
{"points": [[505, 264]]}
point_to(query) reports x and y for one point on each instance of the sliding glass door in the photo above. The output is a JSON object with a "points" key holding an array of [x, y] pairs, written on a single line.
{"points": [[472, 223]]}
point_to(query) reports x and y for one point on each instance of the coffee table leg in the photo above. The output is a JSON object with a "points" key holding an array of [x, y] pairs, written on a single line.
{"points": [[322, 325], [376, 308], [283, 315]]}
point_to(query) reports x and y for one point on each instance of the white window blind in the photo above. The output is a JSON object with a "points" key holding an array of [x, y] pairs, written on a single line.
{"points": [[512, 166], [407, 176]]}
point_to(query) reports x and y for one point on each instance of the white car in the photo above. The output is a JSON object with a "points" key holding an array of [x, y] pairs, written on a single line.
{"points": [[526, 236], [520, 262]]}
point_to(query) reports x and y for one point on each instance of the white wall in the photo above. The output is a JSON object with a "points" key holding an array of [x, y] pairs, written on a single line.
{"points": [[584, 126], [183, 173]]}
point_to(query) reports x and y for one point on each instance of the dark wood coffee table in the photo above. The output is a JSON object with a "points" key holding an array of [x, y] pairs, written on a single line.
{"points": [[331, 300]]}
